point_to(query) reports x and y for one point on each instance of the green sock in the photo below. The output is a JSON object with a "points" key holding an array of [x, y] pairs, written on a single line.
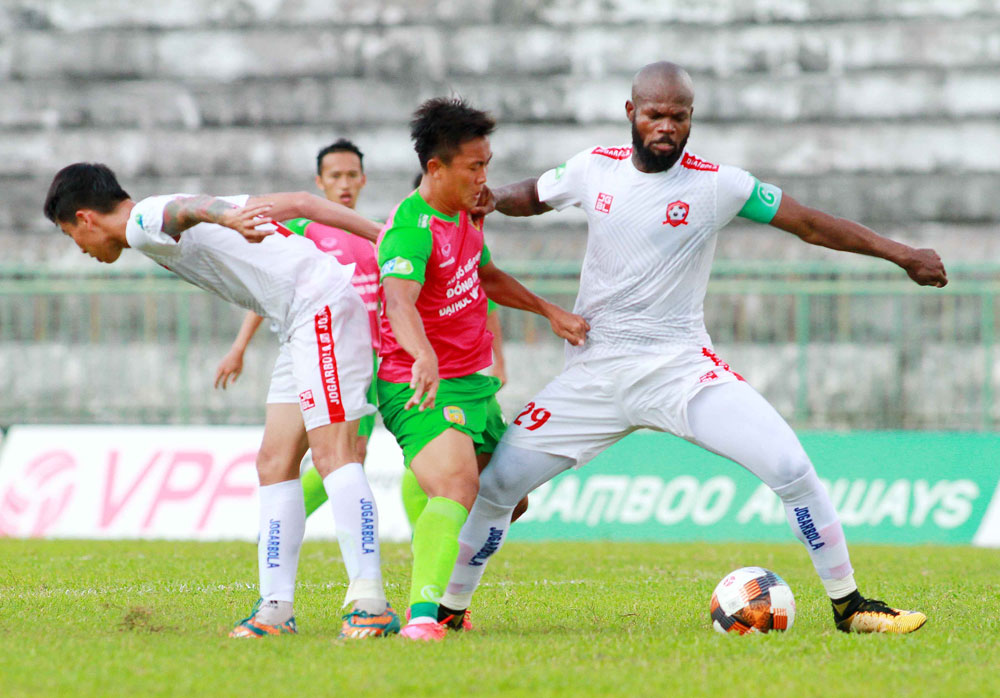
{"points": [[435, 549], [414, 499], [313, 490]]}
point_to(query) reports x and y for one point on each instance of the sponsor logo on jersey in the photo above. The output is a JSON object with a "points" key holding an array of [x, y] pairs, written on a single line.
{"points": [[604, 203], [695, 163], [306, 401], [138, 219], [710, 376], [560, 171], [614, 153], [397, 265], [455, 415], [677, 213], [424, 220]]}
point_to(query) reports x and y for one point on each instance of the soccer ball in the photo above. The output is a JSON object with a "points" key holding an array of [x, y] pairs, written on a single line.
{"points": [[752, 600]]}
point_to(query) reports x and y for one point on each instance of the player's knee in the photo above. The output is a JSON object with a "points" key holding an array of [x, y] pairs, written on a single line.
{"points": [[500, 487], [794, 475], [275, 465]]}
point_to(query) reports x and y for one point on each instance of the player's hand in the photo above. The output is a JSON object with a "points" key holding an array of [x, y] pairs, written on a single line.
{"points": [[572, 328], [229, 368], [424, 382], [500, 371], [484, 206], [245, 221], [926, 268]]}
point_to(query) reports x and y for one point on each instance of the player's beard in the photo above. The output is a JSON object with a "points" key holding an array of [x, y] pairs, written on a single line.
{"points": [[651, 162]]}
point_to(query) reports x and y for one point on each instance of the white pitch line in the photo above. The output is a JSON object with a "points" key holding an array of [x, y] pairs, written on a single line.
{"points": [[151, 589]]}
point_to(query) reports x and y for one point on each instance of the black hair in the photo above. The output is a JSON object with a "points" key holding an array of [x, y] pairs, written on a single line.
{"points": [[441, 125], [417, 180], [88, 185], [341, 145]]}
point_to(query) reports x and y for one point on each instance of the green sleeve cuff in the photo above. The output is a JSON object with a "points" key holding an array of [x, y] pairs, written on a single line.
{"points": [[763, 202], [486, 256]]}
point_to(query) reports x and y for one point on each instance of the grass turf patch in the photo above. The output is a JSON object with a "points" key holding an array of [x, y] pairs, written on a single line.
{"points": [[99, 618]]}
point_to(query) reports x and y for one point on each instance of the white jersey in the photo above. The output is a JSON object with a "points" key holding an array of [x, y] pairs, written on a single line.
{"points": [[283, 278], [650, 245]]}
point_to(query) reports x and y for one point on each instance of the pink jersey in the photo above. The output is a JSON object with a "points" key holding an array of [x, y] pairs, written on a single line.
{"points": [[348, 248]]}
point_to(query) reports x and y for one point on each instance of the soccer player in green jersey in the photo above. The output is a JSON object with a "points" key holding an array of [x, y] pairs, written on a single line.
{"points": [[436, 273]]}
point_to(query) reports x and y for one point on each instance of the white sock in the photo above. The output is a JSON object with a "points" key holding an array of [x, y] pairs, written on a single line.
{"points": [[356, 518], [274, 612], [282, 525], [839, 588], [481, 536]]}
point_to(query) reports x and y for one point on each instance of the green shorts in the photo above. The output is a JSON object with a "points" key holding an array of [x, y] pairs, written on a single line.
{"points": [[467, 404], [366, 425]]}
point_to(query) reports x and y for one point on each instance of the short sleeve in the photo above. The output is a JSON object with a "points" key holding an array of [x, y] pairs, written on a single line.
{"points": [[144, 230], [733, 189], [562, 186], [403, 253], [486, 257]]}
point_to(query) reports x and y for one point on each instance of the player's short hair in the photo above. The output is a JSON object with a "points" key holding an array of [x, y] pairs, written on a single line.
{"points": [[441, 125], [341, 145], [88, 185]]}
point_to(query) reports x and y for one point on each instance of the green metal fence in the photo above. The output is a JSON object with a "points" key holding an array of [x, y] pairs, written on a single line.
{"points": [[855, 346]]}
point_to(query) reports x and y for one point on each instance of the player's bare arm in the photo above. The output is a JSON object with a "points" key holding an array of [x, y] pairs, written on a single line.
{"points": [[232, 363], [305, 205], [506, 290], [517, 199], [817, 228], [401, 309], [185, 212]]}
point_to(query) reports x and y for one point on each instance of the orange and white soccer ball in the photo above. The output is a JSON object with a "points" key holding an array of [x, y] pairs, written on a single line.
{"points": [[752, 600]]}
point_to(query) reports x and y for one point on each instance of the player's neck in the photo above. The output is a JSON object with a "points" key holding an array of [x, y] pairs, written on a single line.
{"points": [[438, 202], [119, 220]]}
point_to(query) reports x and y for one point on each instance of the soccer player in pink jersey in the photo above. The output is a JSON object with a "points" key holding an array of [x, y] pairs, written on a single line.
{"points": [[340, 175], [654, 210], [325, 359], [436, 274]]}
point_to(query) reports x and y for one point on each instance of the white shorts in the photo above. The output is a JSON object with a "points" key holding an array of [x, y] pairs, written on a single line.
{"points": [[593, 404], [326, 365]]}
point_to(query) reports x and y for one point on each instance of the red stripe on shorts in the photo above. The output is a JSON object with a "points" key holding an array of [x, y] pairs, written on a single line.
{"points": [[328, 366]]}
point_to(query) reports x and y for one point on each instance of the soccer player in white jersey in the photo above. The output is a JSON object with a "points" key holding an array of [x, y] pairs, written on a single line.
{"points": [[227, 246], [654, 210]]}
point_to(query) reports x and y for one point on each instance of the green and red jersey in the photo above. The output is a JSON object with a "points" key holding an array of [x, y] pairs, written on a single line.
{"points": [[443, 254]]}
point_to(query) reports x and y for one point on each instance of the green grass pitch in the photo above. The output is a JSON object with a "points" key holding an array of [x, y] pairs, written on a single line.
{"points": [[84, 618]]}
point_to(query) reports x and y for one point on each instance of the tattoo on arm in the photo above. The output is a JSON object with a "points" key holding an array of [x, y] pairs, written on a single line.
{"points": [[181, 214]]}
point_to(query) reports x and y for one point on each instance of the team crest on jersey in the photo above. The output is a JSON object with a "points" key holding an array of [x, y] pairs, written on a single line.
{"points": [[677, 214], [455, 415], [604, 203]]}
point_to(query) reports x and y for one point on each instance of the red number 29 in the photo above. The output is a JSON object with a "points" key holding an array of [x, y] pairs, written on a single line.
{"points": [[538, 416]]}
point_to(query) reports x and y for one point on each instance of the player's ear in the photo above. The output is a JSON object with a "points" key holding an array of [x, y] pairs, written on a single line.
{"points": [[319, 183], [629, 109], [364, 179]]}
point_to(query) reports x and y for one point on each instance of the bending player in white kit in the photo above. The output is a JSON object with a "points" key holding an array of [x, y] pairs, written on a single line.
{"points": [[654, 211], [325, 359]]}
